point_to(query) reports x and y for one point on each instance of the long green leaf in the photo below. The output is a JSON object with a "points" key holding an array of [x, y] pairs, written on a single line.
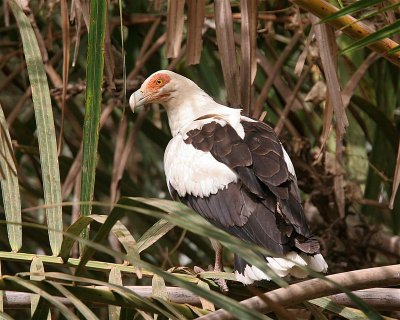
{"points": [[49, 297], [45, 127], [42, 310], [158, 230], [37, 270], [394, 50], [5, 316], [115, 277], [10, 187], [94, 79], [79, 305], [383, 33], [124, 294], [122, 234], [1, 291], [345, 312], [184, 217], [352, 8], [75, 230]]}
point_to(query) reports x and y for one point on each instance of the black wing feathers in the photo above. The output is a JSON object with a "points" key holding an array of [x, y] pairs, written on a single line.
{"points": [[213, 138], [254, 224], [265, 149], [263, 207]]}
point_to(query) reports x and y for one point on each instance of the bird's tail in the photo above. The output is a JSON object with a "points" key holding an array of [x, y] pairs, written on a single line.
{"points": [[247, 273]]}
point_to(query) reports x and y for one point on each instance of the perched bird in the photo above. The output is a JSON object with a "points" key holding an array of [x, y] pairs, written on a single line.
{"points": [[235, 173]]}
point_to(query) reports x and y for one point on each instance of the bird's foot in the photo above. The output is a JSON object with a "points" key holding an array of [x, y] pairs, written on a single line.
{"points": [[221, 283], [223, 286], [198, 269]]}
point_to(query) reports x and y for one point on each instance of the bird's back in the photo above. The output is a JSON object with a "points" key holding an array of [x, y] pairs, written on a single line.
{"points": [[241, 180]]}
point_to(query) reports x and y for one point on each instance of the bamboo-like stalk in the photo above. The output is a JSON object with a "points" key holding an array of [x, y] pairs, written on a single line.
{"points": [[19, 300], [351, 27], [84, 293], [315, 288], [104, 266], [72, 262], [384, 299]]}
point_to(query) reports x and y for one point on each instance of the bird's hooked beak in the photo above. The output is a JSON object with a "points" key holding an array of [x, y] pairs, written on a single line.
{"points": [[137, 99]]}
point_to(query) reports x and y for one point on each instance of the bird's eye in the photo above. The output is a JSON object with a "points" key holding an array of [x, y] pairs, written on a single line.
{"points": [[159, 81]]}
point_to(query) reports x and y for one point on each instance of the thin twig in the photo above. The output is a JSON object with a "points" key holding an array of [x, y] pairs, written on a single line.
{"points": [[289, 103], [274, 72]]}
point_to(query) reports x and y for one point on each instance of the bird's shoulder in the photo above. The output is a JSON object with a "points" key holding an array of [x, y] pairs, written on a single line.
{"points": [[251, 148]]}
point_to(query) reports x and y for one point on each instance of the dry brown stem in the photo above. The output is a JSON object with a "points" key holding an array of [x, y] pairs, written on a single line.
{"points": [[315, 288]]}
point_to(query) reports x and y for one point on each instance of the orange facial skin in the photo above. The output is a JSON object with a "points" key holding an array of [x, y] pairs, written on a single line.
{"points": [[153, 87], [157, 82]]}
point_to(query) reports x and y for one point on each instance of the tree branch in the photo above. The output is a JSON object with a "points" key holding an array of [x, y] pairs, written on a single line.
{"points": [[315, 288], [351, 27], [384, 299]]}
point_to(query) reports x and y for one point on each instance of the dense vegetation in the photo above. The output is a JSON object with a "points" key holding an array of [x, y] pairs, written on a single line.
{"points": [[331, 90]]}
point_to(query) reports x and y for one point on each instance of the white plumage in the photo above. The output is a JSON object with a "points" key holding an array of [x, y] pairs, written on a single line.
{"points": [[211, 154], [194, 172]]}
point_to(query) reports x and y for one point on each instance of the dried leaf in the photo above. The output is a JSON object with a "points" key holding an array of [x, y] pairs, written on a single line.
{"points": [[326, 41], [351, 85], [302, 58], [109, 63], [396, 180], [290, 100], [338, 181], [66, 58], [175, 21], [272, 76], [326, 127], [282, 87], [194, 42], [317, 94], [248, 66], [119, 146], [140, 62], [205, 303], [227, 50]]}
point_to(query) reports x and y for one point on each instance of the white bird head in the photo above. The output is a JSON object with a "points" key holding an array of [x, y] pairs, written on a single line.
{"points": [[183, 100], [160, 87]]}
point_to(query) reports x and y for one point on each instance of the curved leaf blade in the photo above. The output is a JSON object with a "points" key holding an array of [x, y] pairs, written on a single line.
{"points": [[45, 128], [383, 33], [91, 127], [352, 8], [10, 187]]}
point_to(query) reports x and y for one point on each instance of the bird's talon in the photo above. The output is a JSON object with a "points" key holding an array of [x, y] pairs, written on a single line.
{"points": [[223, 286], [197, 269]]}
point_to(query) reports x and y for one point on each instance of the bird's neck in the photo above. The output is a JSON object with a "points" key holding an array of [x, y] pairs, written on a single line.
{"points": [[184, 109]]}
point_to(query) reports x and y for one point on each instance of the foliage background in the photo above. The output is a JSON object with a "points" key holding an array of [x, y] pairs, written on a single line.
{"points": [[257, 55]]}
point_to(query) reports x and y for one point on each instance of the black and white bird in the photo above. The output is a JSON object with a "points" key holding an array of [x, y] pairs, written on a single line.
{"points": [[234, 172]]}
